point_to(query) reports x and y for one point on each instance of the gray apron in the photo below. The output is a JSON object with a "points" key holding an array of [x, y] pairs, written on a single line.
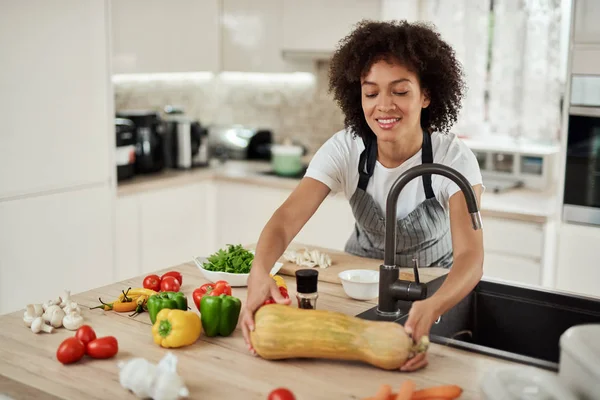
{"points": [[424, 234]]}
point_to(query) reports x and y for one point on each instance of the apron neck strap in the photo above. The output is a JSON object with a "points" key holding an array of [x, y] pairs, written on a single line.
{"points": [[369, 156]]}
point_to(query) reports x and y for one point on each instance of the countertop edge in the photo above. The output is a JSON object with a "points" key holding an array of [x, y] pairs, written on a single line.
{"points": [[255, 173]]}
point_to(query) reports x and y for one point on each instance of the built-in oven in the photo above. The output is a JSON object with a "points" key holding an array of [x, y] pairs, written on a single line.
{"points": [[581, 200]]}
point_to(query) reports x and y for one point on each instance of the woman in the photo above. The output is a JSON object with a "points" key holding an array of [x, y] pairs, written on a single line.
{"points": [[399, 86]]}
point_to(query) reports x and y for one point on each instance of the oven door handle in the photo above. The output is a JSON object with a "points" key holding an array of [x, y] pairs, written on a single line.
{"points": [[584, 111]]}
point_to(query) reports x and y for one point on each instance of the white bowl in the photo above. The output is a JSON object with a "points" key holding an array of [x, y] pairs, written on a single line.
{"points": [[360, 284], [234, 280]]}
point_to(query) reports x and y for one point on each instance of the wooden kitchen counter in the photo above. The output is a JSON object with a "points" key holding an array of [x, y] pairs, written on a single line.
{"points": [[212, 367]]}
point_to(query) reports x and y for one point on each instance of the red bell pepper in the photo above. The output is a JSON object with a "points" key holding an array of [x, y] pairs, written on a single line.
{"points": [[283, 292], [211, 289]]}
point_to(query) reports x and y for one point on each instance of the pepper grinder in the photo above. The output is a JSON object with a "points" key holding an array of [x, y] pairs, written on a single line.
{"points": [[306, 288]]}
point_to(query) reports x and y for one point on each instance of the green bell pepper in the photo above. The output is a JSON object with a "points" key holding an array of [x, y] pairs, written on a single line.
{"points": [[219, 314], [170, 300]]}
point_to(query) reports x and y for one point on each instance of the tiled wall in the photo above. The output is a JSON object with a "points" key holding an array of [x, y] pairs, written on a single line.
{"points": [[293, 106]]}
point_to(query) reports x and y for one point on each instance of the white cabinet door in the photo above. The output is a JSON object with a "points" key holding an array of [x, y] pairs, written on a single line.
{"points": [[513, 249], [511, 268], [243, 210], [317, 26], [57, 129], [127, 238], [251, 37], [578, 269], [175, 226], [154, 36], [55, 242], [330, 226], [586, 29]]}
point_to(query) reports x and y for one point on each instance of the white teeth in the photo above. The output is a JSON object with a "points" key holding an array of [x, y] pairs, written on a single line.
{"points": [[388, 121]]}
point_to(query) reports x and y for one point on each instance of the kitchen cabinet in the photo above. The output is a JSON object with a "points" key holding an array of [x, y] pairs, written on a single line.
{"points": [[578, 268], [174, 227], [243, 211], [127, 237], [586, 29], [513, 250], [55, 98], [56, 150], [316, 26], [163, 227], [52, 243], [155, 36], [251, 39]]}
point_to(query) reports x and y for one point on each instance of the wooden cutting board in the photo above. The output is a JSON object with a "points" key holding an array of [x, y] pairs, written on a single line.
{"points": [[340, 262]]}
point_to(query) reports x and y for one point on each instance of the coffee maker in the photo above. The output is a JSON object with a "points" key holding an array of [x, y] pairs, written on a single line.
{"points": [[149, 154], [186, 141]]}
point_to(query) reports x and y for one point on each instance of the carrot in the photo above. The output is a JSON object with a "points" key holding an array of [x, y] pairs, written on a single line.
{"points": [[384, 393], [406, 390], [447, 392]]}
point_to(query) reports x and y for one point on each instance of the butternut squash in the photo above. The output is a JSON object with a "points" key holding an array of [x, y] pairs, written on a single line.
{"points": [[282, 332]]}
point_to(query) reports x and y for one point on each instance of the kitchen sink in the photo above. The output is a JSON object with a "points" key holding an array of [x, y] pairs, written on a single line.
{"points": [[511, 322]]}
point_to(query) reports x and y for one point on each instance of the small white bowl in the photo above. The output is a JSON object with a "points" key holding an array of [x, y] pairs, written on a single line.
{"points": [[360, 284], [234, 280]]}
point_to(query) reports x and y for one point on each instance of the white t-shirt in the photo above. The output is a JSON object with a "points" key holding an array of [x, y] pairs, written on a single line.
{"points": [[336, 165]]}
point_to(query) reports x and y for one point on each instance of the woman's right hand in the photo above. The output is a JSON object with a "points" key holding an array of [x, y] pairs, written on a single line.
{"points": [[261, 286]]}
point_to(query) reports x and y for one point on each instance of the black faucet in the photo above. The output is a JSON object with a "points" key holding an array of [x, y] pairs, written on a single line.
{"points": [[391, 289]]}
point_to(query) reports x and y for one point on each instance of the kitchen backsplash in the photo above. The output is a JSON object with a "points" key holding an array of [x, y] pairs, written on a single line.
{"points": [[295, 106]]}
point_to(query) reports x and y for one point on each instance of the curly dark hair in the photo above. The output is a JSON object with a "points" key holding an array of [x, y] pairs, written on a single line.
{"points": [[419, 47]]}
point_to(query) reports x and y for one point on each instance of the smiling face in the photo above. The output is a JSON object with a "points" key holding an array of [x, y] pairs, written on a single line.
{"points": [[392, 100]]}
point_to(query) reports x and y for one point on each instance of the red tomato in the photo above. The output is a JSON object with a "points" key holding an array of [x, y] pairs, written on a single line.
{"points": [[175, 275], [70, 350], [86, 334], [169, 284], [281, 394], [152, 282], [104, 347]]}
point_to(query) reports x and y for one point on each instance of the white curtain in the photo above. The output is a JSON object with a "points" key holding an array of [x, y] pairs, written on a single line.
{"points": [[464, 24], [526, 79], [520, 41]]}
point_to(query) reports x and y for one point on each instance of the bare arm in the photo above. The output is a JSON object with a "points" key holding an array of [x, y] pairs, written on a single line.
{"points": [[288, 220], [467, 245]]}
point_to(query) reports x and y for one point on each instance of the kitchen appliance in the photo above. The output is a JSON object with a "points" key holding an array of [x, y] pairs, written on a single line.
{"points": [[523, 382], [581, 196], [239, 142], [186, 141], [287, 159], [507, 163], [579, 367], [125, 151], [149, 153]]}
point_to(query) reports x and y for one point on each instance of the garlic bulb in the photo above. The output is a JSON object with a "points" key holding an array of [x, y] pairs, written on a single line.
{"points": [[147, 380], [308, 258]]}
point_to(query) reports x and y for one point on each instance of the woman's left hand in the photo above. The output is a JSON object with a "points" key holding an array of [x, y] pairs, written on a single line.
{"points": [[421, 316]]}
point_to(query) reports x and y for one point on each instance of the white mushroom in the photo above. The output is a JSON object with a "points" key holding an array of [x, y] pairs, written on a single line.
{"points": [[71, 306], [54, 315], [51, 303], [72, 321], [66, 300], [38, 326], [29, 315]]}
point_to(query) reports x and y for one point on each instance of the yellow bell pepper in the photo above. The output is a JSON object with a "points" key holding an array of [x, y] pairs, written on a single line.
{"points": [[176, 328]]}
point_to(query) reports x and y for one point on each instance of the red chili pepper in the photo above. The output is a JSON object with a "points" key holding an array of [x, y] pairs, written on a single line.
{"points": [[211, 289]]}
